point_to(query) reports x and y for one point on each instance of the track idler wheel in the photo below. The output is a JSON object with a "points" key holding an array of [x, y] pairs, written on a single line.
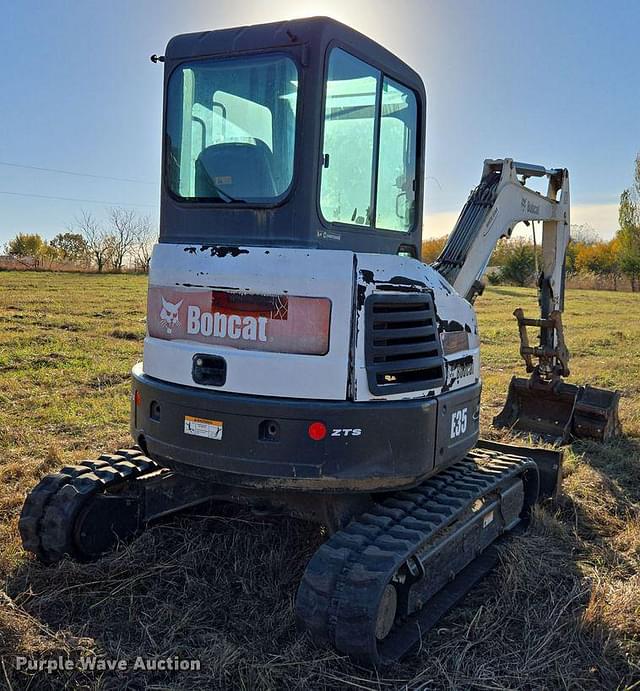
{"points": [[61, 516], [386, 612]]}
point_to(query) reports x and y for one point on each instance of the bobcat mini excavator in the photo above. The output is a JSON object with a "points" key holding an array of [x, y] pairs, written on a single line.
{"points": [[300, 357]]}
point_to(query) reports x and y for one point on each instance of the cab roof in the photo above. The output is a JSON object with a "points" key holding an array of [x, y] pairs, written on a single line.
{"points": [[315, 32]]}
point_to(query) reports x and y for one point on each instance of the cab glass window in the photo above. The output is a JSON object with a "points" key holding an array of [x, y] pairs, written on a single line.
{"points": [[349, 134], [369, 147], [395, 199], [231, 129]]}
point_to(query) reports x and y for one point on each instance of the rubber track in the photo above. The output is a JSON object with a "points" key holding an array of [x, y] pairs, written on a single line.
{"points": [[341, 589], [47, 519]]}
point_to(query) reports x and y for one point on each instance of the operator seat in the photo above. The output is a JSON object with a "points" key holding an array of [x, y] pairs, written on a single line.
{"points": [[240, 169]]}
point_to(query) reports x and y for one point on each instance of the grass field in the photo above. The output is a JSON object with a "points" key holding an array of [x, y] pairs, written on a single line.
{"points": [[562, 610]]}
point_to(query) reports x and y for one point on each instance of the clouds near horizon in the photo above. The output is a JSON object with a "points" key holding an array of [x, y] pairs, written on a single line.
{"points": [[603, 218]]}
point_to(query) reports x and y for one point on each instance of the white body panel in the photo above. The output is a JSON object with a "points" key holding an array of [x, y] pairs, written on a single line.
{"points": [[335, 275], [449, 306], [318, 273]]}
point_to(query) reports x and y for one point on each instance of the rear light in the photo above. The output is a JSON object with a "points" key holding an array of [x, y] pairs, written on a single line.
{"points": [[455, 342], [137, 397], [317, 431]]}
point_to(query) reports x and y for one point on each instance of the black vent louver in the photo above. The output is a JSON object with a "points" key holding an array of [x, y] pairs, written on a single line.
{"points": [[402, 346]]}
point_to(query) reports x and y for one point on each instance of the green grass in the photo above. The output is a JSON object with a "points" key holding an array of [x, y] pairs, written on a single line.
{"points": [[562, 611]]}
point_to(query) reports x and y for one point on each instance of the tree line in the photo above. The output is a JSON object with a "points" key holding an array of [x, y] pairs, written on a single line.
{"points": [[124, 240], [515, 261]]}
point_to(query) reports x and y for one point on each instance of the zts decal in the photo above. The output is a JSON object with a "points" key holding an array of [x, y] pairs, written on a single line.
{"points": [[346, 432]]}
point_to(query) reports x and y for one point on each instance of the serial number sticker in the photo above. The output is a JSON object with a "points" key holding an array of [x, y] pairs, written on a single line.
{"points": [[201, 427], [487, 519]]}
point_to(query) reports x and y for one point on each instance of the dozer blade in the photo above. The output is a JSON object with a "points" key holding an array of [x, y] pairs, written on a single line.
{"points": [[560, 411]]}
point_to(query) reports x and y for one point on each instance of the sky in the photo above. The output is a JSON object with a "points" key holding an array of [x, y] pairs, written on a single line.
{"points": [[548, 82]]}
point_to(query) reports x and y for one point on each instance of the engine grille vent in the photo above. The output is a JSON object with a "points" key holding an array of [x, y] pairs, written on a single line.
{"points": [[402, 346]]}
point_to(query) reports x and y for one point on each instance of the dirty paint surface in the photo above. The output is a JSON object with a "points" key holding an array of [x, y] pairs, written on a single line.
{"points": [[275, 323]]}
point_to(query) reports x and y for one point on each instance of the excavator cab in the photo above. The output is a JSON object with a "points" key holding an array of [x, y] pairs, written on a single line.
{"points": [[303, 133]]}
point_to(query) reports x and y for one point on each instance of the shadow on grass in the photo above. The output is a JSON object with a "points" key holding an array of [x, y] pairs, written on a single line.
{"points": [[619, 460], [601, 503]]}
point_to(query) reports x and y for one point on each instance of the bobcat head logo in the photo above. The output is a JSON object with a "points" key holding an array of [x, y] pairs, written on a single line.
{"points": [[169, 314]]}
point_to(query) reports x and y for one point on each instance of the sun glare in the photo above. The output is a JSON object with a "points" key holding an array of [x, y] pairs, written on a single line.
{"points": [[313, 8]]}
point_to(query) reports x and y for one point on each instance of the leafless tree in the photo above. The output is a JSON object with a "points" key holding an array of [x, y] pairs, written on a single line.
{"points": [[99, 242], [124, 231], [146, 235], [584, 233]]}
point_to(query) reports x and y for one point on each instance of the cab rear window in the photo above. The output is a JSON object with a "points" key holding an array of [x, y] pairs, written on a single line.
{"points": [[231, 129]]}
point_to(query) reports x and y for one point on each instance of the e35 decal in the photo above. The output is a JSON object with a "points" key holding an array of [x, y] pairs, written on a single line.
{"points": [[458, 423], [346, 432]]}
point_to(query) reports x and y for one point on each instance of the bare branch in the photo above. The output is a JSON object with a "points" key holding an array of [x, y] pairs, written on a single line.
{"points": [[99, 242], [124, 229], [146, 236]]}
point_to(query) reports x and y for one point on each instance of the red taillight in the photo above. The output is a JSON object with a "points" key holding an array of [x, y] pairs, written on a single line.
{"points": [[137, 398], [317, 431]]}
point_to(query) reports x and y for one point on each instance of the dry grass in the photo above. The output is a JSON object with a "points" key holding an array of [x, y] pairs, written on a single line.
{"points": [[562, 611]]}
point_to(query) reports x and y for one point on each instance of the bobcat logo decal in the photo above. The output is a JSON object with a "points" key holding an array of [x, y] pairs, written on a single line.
{"points": [[169, 314]]}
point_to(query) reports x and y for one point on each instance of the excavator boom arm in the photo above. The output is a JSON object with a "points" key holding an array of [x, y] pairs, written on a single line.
{"points": [[543, 404], [495, 206]]}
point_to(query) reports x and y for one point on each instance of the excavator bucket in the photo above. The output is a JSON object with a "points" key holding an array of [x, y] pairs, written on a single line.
{"points": [[560, 411], [596, 414]]}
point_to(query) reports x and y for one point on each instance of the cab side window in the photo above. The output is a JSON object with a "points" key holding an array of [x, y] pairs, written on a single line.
{"points": [[395, 198], [369, 147], [349, 137]]}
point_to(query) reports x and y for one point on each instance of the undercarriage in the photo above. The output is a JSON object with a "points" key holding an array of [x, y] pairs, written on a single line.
{"points": [[395, 563]]}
